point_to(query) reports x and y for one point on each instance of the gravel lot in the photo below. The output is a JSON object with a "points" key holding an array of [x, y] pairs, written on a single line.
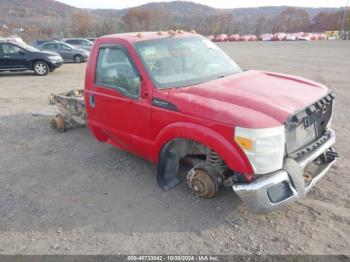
{"points": [[66, 193]]}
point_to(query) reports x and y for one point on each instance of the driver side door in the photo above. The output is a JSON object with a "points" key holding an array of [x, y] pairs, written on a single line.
{"points": [[13, 57], [65, 51], [115, 106]]}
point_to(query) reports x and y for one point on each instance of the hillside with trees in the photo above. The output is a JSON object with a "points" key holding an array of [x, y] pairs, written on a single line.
{"points": [[52, 19]]}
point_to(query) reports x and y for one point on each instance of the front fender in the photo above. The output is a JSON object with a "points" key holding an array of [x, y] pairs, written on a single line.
{"points": [[228, 150]]}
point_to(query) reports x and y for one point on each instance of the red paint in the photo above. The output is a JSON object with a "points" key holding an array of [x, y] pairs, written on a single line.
{"points": [[207, 113]]}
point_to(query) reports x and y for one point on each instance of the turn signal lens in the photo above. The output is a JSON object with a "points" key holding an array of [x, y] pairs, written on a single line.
{"points": [[245, 143]]}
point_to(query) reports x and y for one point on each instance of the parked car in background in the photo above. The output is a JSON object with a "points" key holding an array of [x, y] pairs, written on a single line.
{"points": [[305, 37], [22, 57], [315, 36], [221, 38], [210, 37], [244, 38], [299, 34], [291, 37], [248, 38], [279, 37], [266, 37], [38, 43], [234, 37], [81, 43], [68, 52], [253, 38], [322, 36]]}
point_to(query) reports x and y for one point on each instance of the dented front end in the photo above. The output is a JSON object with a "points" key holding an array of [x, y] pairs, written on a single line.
{"points": [[308, 157]]}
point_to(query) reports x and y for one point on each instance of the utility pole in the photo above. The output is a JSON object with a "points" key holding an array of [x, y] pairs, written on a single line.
{"points": [[344, 17]]}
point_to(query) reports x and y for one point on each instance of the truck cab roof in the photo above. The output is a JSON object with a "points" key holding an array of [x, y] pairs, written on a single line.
{"points": [[142, 36]]}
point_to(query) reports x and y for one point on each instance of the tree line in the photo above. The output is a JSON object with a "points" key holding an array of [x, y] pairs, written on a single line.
{"points": [[84, 24]]}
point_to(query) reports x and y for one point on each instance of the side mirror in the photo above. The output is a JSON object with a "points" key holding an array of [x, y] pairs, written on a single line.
{"points": [[135, 86], [137, 81], [21, 52]]}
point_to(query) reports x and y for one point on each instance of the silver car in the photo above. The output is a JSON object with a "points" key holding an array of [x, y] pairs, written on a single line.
{"points": [[81, 43], [68, 52]]}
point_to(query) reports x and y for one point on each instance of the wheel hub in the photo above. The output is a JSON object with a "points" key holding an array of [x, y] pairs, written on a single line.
{"points": [[40, 68], [203, 182]]}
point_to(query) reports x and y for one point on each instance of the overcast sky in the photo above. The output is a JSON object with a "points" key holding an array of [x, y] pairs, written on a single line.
{"points": [[119, 4]]}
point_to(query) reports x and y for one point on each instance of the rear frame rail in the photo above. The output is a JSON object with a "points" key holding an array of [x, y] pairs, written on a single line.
{"points": [[72, 110]]}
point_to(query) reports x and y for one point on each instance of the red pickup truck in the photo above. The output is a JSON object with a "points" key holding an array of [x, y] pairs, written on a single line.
{"points": [[167, 96]]}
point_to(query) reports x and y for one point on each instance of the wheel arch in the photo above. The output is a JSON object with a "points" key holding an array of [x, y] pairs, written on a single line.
{"points": [[78, 55], [39, 60], [229, 151]]}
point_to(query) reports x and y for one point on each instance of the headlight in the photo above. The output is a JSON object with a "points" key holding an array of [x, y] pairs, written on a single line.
{"points": [[264, 147], [55, 58]]}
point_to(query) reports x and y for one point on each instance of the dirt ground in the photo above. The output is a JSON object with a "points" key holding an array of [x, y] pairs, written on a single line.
{"points": [[66, 193]]}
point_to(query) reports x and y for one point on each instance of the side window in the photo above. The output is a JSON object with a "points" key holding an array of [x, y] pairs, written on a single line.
{"points": [[49, 46], [85, 42], [114, 70], [63, 47], [11, 49]]}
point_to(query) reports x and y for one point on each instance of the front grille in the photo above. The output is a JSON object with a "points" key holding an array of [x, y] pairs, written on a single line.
{"points": [[309, 125]]}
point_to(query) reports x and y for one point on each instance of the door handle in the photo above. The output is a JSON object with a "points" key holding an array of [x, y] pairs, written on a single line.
{"points": [[92, 100], [6, 56]]}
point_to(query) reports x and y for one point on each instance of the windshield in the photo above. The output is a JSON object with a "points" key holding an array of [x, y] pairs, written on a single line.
{"points": [[69, 45], [28, 47], [177, 62]]}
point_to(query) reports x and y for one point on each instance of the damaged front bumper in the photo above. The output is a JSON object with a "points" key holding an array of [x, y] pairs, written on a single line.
{"points": [[284, 186]]}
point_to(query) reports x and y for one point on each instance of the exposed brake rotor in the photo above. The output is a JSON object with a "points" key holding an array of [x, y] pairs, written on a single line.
{"points": [[204, 182]]}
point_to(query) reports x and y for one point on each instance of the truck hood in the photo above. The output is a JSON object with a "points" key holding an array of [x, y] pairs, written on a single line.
{"points": [[252, 99]]}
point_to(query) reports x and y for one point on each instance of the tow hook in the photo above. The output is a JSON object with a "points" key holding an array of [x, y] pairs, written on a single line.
{"points": [[332, 154], [307, 177]]}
